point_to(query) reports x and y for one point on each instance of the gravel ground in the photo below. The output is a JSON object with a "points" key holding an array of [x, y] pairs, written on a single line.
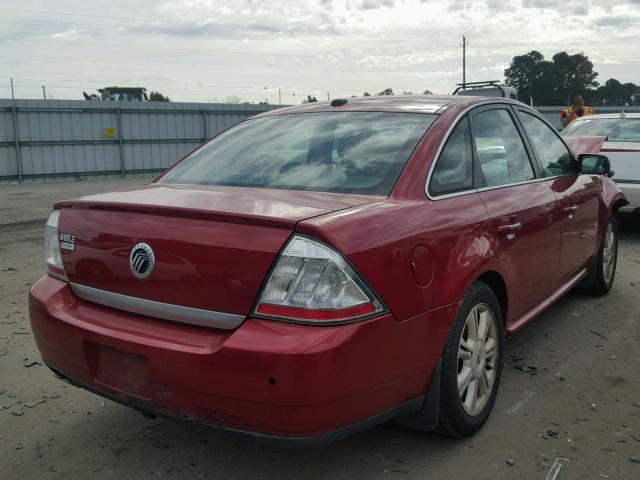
{"points": [[570, 395]]}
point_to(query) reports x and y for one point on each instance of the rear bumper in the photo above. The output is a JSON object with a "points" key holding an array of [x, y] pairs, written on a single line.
{"points": [[299, 384], [632, 192]]}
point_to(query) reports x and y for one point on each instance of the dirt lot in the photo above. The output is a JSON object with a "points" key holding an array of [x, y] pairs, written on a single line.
{"points": [[571, 391]]}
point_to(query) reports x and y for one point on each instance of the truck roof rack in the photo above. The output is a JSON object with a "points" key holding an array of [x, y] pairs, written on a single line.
{"points": [[483, 84]]}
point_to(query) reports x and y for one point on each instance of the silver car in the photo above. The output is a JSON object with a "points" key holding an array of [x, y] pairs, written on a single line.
{"points": [[622, 147]]}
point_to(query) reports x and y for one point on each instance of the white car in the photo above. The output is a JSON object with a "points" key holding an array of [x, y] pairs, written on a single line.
{"points": [[622, 147]]}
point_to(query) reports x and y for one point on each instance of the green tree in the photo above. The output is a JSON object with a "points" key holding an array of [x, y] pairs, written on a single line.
{"points": [[530, 75], [613, 92], [573, 74], [427, 92], [551, 82], [158, 97], [366, 94], [310, 99], [386, 91]]}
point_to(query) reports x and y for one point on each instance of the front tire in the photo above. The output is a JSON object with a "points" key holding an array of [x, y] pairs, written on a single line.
{"points": [[471, 363], [605, 267]]}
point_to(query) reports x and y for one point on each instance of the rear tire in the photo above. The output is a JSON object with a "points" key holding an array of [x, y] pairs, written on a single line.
{"points": [[604, 270], [471, 363]]}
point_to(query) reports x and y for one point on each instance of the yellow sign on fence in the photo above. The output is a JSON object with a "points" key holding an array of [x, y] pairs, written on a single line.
{"points": [[110, 132]]}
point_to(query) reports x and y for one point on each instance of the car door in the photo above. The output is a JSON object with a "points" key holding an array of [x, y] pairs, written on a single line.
{"points": [[523, 209], [577, 194]]}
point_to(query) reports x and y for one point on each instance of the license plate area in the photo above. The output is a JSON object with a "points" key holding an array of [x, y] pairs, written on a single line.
{"points": [[125, 372]]}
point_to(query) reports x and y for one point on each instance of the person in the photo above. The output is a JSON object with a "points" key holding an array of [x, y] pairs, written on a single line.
{"points": [[577, 109]]}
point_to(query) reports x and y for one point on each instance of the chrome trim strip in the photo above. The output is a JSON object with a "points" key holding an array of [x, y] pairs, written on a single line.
{"points": [[57, 277], [624, 180], [166, 311]]}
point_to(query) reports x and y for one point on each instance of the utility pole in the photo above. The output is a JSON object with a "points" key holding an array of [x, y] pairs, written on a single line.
{"points": [[464, 44], [328, 96], [44, 92], [279, 97], [12, 96]]}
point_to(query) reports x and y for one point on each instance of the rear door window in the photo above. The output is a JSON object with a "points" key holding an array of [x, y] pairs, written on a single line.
{"points": [[551, 151], [499, 148], [454, 168]]}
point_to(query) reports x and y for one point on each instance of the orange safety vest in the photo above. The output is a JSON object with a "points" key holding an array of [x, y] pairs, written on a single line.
{"points": [[569, 113]]}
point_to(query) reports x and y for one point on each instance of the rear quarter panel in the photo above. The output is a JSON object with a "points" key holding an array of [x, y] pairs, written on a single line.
{"points": [[416, 255]]}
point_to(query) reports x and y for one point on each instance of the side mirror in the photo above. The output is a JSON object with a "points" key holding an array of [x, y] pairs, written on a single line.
{"points": [[594, 164]]}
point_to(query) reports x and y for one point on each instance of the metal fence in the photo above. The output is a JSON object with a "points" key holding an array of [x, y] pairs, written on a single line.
{"points": [[55, 139], [47, 139]]}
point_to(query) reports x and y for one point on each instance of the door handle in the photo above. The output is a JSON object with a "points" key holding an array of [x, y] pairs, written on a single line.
{"points": [[511, 228], [570, 210]]}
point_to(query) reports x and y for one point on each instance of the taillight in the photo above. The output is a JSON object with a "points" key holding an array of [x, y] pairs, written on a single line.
{"points": [[52, 248], [311, 283]]}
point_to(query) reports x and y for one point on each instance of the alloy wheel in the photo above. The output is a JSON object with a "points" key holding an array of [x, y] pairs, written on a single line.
{"points": [[477, 359], [609, 253]]}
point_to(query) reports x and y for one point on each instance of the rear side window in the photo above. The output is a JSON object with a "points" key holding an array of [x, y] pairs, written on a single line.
{"points": [[499, 149], [343, 152], [454, 168], [552, 152]]}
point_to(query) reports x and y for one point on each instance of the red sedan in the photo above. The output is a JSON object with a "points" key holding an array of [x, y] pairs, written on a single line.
{"points": [[320, 269]]}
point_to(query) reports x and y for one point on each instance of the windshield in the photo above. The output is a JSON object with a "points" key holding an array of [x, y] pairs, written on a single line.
{"points": [[349, 152], [616, 129]]}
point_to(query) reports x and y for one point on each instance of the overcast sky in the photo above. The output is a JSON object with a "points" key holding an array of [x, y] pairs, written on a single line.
{"points": [[206, 50]]}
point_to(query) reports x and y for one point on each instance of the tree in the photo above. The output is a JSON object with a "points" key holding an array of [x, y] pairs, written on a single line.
{"points": [[310, 99], [527, 74], [573, 74], [551, 82], [158, 97], [234, 99], [386, 91], [366, 94], [614, 92], [427, 92], [407, 93]]}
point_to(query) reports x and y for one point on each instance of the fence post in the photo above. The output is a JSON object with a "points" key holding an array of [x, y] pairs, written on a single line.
{"points": [[16, 138], [205, 124], [120, 141]]}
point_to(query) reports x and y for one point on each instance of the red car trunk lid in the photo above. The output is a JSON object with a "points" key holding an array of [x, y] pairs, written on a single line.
{"points": [[213, 246]]}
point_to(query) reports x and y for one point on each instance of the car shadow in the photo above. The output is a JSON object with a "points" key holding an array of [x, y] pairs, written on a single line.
{"points": [[629, 226]]}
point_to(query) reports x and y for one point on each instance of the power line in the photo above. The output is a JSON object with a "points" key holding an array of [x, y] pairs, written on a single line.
{"points": [[58, 14], [172, 29], [131, 46]]}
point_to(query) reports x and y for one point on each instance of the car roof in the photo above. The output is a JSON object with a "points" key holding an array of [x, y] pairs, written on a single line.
{"points": [[613, 115], [434, 104]]}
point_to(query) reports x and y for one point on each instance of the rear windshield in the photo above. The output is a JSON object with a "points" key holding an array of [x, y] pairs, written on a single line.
{"points": [[616, 129], [348, 152]]}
